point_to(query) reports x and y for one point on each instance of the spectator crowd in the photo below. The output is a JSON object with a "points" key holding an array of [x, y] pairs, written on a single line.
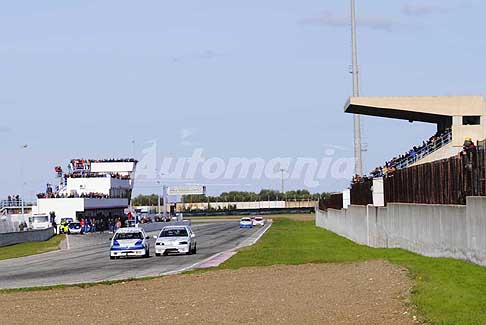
{"points": [[90, 195], [95, 175], [435, 142], [13, 200]]}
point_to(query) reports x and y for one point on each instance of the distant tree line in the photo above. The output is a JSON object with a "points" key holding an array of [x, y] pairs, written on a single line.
{"points": [[144, 200], [238, 196]]}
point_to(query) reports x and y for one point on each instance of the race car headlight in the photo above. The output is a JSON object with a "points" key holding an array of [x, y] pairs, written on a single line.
{"points": [[138, 243], [183, 243]]}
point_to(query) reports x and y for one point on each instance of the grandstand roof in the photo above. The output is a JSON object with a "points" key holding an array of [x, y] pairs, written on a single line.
{"points": [[432, 109]]}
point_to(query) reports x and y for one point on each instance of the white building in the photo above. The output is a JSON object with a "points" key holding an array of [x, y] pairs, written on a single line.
{"points": [[91, 189]]}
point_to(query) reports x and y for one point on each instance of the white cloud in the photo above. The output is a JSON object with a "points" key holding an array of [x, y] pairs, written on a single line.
{"points": [[195, 56], [422, 9], [185, 135], [371, 22], [5, 129]]}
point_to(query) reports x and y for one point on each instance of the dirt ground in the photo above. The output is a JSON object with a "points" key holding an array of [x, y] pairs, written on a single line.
{"points": [[374, 292]]}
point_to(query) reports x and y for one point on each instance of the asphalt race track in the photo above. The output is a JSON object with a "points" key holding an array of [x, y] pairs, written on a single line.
{"points": [[87, 259]]}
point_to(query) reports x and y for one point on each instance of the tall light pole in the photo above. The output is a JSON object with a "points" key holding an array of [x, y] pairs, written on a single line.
{"points": [[158, 198], [164, 193], [164, 196], [133, 148], [282, 176], [23, 147], [358, 164]]}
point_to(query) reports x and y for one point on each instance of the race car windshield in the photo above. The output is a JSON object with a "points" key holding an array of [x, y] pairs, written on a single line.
{"points": [[129, 235], [174, 233]]}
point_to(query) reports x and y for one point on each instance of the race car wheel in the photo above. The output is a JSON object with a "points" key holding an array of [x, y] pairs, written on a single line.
{"points": [[194, 251], [112, 257], [157, 254]]}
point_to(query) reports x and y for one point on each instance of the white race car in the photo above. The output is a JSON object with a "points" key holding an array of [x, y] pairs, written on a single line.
{"points": [[258, 221], [175, 239], [246, 222], [129, 242]]}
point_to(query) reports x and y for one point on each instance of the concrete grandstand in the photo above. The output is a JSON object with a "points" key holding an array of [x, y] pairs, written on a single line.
{"points": [[465, 116]]}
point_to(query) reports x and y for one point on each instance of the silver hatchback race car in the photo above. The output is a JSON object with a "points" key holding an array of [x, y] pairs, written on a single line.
{"points": [[175, 239]]}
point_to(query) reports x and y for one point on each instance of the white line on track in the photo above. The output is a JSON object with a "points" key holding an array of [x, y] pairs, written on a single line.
{"points": [[68, 247]]}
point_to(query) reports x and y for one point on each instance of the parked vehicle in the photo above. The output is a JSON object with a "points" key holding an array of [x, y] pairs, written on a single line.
{"points": [[75, 228], [40, 221]]}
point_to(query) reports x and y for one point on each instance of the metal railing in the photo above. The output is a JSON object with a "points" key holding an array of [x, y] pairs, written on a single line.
{"points": [[424, 151], [15, 203]]}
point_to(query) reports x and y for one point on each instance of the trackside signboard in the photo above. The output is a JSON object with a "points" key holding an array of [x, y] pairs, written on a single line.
{"points": [[186, 190]]}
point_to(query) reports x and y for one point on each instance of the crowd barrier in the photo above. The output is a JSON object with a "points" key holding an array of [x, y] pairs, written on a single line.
{"points": [[12, 238]]}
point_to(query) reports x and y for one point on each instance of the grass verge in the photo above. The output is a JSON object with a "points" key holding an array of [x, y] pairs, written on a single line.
{"points": [[78, 285], [31, 248], [447, 291]]}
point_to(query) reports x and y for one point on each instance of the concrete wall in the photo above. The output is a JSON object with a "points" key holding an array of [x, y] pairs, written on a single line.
{"points": [[113, 167], [431, 230], [64, 208], [67, 207], [84, 185], [439, 105], [12, 238], [105, 203], [476, 229]]}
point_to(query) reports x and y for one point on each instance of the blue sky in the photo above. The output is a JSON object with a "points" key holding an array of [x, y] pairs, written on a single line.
{"points": [[236, 78]]}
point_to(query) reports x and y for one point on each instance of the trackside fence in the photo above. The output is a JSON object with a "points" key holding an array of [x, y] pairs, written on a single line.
{"points": [[335, 201], [446, 181]]}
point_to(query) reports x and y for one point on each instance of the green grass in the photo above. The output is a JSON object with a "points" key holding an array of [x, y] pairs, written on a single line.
{"points": [[446, 291], [79, 285], [31, 248]]}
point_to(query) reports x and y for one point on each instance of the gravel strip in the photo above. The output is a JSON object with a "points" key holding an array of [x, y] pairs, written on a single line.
{"points": [[373, 292]]}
